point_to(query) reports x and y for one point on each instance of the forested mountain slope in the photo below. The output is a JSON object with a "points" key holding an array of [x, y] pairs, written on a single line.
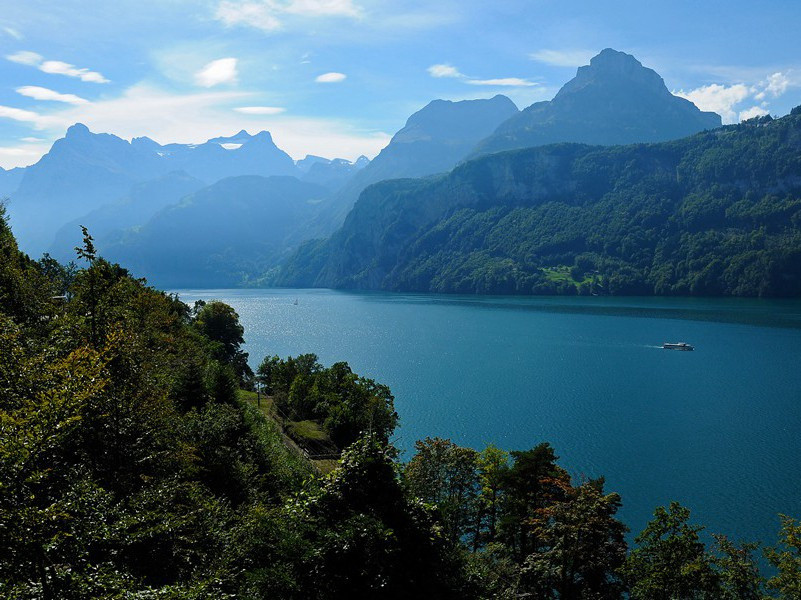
{"points": [[718, 213]]}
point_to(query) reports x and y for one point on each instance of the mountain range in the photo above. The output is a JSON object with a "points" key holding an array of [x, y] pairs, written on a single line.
{"points": [[717, 213], [144, 195]]}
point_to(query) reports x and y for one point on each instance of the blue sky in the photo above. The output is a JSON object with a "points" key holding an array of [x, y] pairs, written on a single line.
{"points": [[338, 77]]}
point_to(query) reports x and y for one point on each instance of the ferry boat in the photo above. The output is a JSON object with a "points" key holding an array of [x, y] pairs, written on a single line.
{"points": [[678, 346]]}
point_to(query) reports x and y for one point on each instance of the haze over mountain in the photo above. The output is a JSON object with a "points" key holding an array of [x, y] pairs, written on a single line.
{"points": [[10, 180], [142, 202], [220, 235], [718, 213], [613, 100], [85, 171], [434, 140]]}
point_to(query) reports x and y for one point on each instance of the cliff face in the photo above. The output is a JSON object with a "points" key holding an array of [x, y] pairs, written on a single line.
{"points": [[613, 100]]}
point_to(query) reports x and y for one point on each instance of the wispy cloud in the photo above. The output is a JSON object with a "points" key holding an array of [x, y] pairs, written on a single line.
{"points": [[193, 117], [330, 78], [40, 93], [444, 70], [19, 114], [26, 57], [503, 82], [55, 67], [268, 15], [218, 71], [449, 71], [260, 110], [563, 58], [13, 33]]}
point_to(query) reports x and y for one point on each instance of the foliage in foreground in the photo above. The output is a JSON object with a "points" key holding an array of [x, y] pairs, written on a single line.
{"points": [[129, 468]]}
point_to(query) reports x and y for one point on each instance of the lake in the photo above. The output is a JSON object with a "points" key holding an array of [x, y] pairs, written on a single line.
{"points": [[718, 429]]}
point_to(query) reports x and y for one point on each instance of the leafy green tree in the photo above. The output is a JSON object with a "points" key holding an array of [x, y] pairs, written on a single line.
{"points": [[738, 569], [446, 475], [786, 559], [581, 547], [533, 482], [670, 561], [367, 539], [492, 466], [220, 323]]}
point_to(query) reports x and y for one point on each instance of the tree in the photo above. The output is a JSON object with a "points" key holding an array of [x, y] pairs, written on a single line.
{"points": [[366, 538], [446, 475], [492, 466], [670, 562], [786, 559], [738, 570], [220, 323], [533, 482], [581, 548]]}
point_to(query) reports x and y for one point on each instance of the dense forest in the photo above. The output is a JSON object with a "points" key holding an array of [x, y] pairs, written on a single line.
{"points": [[715, 214], [133, 466]]}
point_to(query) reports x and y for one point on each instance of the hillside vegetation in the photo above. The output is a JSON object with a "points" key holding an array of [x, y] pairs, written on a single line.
{"points": [[131, 468], [718, 213]]}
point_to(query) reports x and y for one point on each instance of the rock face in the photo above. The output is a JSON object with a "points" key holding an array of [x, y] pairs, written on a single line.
{"points": [[434, 140], [613, 100]]}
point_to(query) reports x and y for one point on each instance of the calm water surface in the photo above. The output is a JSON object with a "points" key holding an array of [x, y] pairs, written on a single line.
{"points": [[718, 429]]}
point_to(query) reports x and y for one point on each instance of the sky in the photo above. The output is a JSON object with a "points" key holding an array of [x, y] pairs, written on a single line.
{"points": [[337, 78]]}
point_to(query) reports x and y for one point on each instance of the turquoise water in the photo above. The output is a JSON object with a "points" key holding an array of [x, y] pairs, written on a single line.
{"points": [[718, 429]]}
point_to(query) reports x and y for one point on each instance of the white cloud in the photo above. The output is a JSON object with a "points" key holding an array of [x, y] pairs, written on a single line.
{"points": [[31, 140], [13, 33], [21, 156], [18, 114], [777, 84], [504, 82], [40, 93], [754, 111], [216, 72], [260, 110], [55, 67], [253, 14], [563, 58], [718, 98], [25, 57], [444, 70], [330, 78], [58, 67], [267, 15]]}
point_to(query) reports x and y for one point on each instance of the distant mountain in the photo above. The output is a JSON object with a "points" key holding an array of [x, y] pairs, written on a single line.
{"points": [[613, 100], [434, 140], [80, 173], [142, 202], [331, 174], [84, 171], [240, 154], [222, 235], [10, 180], [718, 213]]}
